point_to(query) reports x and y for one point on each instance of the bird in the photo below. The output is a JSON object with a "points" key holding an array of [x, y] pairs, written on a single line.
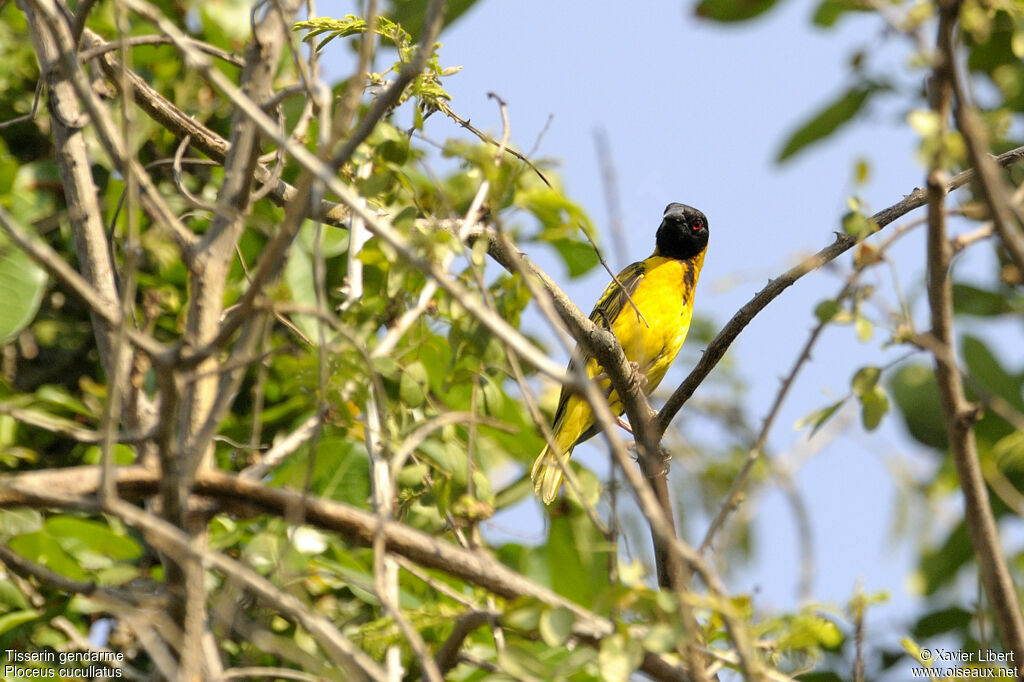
{"points": [[648, 307]]}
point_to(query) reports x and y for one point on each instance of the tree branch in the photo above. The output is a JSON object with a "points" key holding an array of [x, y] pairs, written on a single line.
{"points": [[843, 243], [958, 413], [71, 487], [448, 655]]}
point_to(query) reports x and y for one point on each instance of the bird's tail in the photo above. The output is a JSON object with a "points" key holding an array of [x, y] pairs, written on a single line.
{"points": [[547, 474]]}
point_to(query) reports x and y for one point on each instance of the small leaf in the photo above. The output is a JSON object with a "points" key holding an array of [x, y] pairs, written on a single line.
{"points": [[865, 380], [44, 549], [733, 10], [972, 300], [874, 405], [942, 621], [865, 330], [18, 521], [829, 11], [924, 121], [619, 658], [818, 418], [11, 620], [660, 639], [912, 648], [858, 225], [827, 120], [412, 386], [11, 596], [1009, 452], [22, 284], [556, 625], [525, 617], [77, 535], [917, 396], [861, 171], [826, 310], [579, 256]]}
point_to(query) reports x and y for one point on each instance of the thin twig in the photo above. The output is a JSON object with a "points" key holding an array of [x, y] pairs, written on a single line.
{"points": [[757, 449]]}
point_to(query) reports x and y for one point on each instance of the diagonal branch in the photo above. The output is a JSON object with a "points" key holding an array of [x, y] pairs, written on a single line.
{"points": [[843, 243]]}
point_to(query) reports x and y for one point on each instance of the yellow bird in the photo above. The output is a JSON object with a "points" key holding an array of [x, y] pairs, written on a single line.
{"points": [[649, 315]]}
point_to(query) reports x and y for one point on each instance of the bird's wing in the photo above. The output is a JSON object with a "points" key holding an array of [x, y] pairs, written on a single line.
{"points": [[607, 310], [616, 297]]}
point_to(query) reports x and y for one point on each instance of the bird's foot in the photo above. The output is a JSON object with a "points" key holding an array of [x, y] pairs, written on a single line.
{"points": [[638, 378]]}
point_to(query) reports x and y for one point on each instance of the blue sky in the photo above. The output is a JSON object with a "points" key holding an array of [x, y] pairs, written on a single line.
{"points": [[696, 112]]}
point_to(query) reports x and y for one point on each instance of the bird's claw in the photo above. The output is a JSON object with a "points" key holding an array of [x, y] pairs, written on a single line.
{"points": [[638, 378]]}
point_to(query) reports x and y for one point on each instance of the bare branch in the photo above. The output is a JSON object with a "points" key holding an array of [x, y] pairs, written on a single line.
{"points": [[732, 499], [843, 243], [959, 414], [1006, 221], [46, 14]]}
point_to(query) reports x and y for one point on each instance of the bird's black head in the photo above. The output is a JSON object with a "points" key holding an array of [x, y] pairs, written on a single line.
{"points": [[683, 232]]}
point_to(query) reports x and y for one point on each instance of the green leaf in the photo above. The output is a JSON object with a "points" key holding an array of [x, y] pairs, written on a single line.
{"points": [[818, 418], [733, 10], [123, 454], [22, 284], [874, 405], [226, 22], [1009, 452], [856, 224], [865, 330], [827, 309], [660, 639], [806, 631], [13, 619], [298, 275], [985, 368], [940, 565], [578, 558], [339, 471], [827, 120], [43, 549], [413, 385], [941, 621], [11, 596], [619, 657], [556, 625], [916, 393], [409, 13], [333, 242], [522, 663], [19, 521], [865, 380], [76, 535], [829, 11], [579, 256], [8, 170], [972, 300], [525, 616]]}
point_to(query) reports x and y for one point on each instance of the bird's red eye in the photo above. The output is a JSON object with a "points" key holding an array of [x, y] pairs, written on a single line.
{"points": [[696, 226]]}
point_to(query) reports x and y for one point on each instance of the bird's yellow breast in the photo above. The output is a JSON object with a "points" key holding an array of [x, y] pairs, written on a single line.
{"points": [[652, 332]]}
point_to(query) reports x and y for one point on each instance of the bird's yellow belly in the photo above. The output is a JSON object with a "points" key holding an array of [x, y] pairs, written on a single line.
{"points": [[653, 342]]}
